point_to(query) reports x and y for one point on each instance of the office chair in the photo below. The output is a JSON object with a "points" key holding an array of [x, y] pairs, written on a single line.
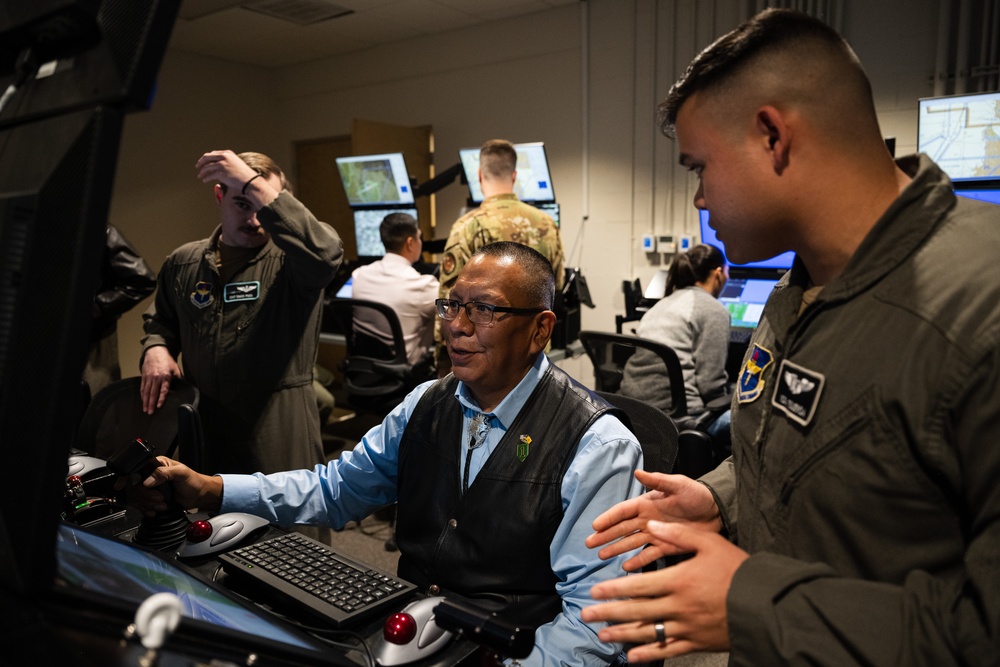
{"points": [[610, 352], [114, 418], [377, 374], [654, 429]]}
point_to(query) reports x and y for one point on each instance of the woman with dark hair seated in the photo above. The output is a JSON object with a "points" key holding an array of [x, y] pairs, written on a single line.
{"points": [[689, 319]]}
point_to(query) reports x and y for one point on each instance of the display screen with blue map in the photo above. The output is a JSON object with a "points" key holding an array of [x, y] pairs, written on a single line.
{"points": [[961, 133]]}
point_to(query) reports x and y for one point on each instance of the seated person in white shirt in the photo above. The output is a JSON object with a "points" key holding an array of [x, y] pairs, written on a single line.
{"points": [[393, 281]]}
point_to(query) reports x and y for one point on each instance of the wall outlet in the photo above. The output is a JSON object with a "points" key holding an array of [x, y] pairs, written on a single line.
{"points": [[648, 243], [686, 243]]}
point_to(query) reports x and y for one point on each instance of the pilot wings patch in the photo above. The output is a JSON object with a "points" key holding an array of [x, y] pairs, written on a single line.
{"points": [[249, 291], [798, 392]]}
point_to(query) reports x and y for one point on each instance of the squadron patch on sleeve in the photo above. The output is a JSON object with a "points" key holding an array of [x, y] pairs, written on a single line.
{"points": [[751, 383], [448, 264], [798, 391]]}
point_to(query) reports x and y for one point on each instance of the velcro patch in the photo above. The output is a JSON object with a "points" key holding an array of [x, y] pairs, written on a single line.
{"points": [[241, 292], [751, 381], [798, 392]]}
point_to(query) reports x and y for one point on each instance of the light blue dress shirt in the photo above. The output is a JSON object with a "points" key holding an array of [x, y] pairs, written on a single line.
{"points": [[364, 479]]}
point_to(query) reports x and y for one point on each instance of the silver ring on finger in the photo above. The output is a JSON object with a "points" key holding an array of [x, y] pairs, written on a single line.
{"points": [[661, 636]]}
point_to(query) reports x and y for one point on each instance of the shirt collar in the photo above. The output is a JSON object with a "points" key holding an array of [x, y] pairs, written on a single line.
{"points": [[396, 259], [512, 403]]}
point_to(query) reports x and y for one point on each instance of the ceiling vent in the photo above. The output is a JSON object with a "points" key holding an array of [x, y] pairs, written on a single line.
{"points": [[301, 12]]}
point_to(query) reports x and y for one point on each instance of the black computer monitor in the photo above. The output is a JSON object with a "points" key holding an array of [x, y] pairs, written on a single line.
{"points": [[55, 184], [375, 180], [744, 298], [367, 224], [533, 183], [105, 52], [779, 263], [959, 133], [57, 160]]}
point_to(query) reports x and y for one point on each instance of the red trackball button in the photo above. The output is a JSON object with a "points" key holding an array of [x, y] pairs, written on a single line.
{"points": [[399, 629], [199, 531]]}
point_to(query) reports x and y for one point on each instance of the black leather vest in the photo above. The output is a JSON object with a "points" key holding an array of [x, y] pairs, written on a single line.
{"points": [[495, 540]]}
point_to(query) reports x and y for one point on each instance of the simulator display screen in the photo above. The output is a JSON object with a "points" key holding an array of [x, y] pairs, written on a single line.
{"points": [[118, 570], [961, 134], [533, 182], [744, 298], [375, 180], [366, 229]]}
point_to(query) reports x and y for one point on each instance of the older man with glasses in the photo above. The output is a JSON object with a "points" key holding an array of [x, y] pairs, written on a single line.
{"points": [[498, 469]]}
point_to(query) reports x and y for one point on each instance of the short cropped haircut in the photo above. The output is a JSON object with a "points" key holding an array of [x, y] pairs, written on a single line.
{"points": [[395, 229], [539, 281], [772, 31], [265, 166], [497, 159]]}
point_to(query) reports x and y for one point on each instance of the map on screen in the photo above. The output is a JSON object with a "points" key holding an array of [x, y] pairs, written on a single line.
{"points": [[374, 180], [534, 182], [961, 134]]}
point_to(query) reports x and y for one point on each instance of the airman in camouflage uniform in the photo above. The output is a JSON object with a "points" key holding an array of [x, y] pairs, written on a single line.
{"points": [[501, 217]]}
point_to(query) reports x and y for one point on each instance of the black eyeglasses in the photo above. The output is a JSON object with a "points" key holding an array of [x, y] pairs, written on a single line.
{"points": [[478, 312]]}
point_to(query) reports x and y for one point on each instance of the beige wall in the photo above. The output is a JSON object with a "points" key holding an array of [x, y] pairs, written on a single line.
{"points": [[583, 78]]}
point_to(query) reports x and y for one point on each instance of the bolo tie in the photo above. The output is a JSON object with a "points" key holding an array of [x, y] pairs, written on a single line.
{"points": [[479, 428]]}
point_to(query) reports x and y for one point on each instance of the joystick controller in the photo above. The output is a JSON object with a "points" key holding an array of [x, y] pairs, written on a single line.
{"points": [[164, 532]]}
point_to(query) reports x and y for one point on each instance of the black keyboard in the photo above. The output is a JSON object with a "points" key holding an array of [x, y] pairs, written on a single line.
{"points": [[314, 577]]}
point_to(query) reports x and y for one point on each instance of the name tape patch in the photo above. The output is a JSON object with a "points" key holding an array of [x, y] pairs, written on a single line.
{"points": [[241, 292], [798, 392]]}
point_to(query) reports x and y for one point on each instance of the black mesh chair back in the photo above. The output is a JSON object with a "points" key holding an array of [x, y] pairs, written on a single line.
{"points": [[114, 417], [609, 352], [376, 371], [655, 431]]}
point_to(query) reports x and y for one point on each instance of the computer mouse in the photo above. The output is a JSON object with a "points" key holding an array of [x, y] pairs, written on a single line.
{"points": [[411, 634], [219, 533], [80, 465]]}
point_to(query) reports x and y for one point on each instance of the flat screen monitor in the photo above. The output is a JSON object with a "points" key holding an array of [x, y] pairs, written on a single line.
{"points": [[959, 133], [59, 138], [366, 229], [781, 262], [346, 290], [119, 575], [991, 195], [119, 67], [744, 298], [552, 208], [533, 183], [375, 180], [56, 177]]}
